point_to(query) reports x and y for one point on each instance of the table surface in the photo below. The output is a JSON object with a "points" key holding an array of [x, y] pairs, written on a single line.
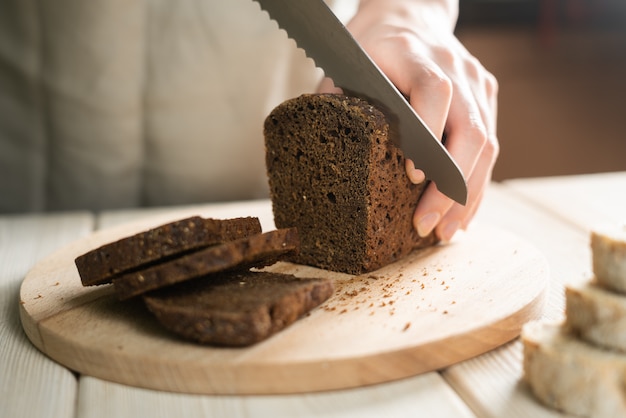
{"points": [[555, 214]]}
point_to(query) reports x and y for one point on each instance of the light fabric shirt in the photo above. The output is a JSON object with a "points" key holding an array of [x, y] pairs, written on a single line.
{"points": [[116, 103]]}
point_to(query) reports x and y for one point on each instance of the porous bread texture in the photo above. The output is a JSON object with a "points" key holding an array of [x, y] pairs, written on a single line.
{"points": [[608, 248], [572, 376], [336, 175], [596, 315]]}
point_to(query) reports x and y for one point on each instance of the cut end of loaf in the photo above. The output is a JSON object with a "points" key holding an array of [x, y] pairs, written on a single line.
{"points": [[336, 175]]}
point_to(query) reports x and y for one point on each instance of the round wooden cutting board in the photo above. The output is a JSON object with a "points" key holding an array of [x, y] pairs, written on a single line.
{"points": [[430, 310]]}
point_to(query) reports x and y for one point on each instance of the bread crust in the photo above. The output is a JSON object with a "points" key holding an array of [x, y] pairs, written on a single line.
{"points": [[102, 264], [255, 251]]}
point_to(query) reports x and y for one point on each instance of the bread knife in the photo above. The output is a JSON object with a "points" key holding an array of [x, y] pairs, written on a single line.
{"points": [[317, 30]]}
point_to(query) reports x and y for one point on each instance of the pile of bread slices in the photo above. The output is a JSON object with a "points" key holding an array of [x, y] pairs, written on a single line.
{"points": [[579, 366], [199, 277]]}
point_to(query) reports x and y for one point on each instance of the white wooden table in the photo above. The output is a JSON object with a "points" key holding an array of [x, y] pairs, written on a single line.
{"points": [[554, 214]]}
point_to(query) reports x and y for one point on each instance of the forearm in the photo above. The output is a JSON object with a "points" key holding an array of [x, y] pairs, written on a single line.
{"points": [[438, 12]]}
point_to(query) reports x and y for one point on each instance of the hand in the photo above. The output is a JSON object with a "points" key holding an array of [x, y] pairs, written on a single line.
{"points": [[413, 43]]}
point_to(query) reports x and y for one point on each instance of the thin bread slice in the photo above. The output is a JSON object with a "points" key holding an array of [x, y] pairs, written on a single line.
{"points": [[255, 251], [236, 309], [608, 247], [571, 375], [102, 264], [596, 315]]}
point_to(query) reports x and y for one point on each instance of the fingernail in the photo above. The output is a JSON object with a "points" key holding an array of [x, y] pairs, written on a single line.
{"points": [[448, 231], [415, 176], [427, 223]]}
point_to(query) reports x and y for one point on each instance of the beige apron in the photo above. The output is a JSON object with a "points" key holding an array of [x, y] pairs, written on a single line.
{"points": [[117, 103]]}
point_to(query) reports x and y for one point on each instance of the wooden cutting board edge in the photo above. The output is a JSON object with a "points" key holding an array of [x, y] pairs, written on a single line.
{"points": [[306, 378], [297, 377]]}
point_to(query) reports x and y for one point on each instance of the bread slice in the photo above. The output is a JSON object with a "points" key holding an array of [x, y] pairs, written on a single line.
{"points": [[102, 264], [254, 251], [608, 247], [596, 315], [335, 174], [573, 376], [236, 309]]}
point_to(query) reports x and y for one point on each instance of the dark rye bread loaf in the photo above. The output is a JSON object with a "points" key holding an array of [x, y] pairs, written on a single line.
{"points": [[335, 174], [236, 309], [254, 251], [101, 265]]}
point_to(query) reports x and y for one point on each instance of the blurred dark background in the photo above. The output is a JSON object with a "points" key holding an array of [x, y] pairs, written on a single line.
{"points": [[561, 65]]}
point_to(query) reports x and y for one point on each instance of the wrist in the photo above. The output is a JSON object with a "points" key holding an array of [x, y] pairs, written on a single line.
{"points": [[443, 13]]}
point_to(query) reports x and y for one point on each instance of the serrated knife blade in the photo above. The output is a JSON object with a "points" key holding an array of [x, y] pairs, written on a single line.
{"points": [[317, 30]]}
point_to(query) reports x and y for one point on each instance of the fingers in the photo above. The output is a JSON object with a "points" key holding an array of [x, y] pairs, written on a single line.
{"points": [[437, 212], [418, 77], [472, 142], [428, 88], [416, 176], [463, 215], [328, 86]]}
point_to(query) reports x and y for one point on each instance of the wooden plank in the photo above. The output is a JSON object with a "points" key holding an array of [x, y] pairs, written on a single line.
{"points": [[478, 381], [227, 210], [30, 383], [425, 395], [565, 246], [584, 200], [491, 384]]}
